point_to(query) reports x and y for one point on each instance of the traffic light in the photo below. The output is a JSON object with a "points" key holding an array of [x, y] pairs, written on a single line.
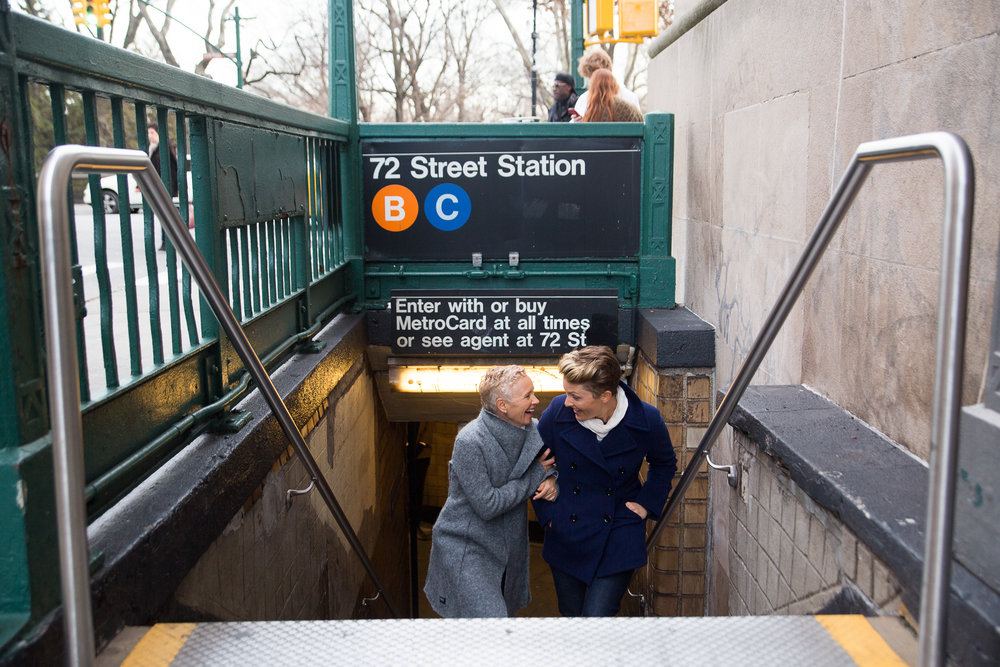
{"points": [[637, 18], [79, 11], [93, 13], [600, 16], [101, 13]]}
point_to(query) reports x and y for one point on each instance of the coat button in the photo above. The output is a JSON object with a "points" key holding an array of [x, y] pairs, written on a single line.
{"points": [[621, 471], [610, 491], [572, 465], [572, 518], [576, 490], [607, 519]]}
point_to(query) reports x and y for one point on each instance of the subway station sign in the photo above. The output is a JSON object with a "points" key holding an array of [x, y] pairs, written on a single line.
{"points": [[446, 199], [486, 322]]}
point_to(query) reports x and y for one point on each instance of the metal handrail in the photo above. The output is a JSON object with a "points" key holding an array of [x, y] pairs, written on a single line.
{"points": [[63, 371], [950, 354]]}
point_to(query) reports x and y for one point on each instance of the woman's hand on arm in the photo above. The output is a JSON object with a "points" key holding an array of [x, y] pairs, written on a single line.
{"points": [[547, 459], [547, 490]]}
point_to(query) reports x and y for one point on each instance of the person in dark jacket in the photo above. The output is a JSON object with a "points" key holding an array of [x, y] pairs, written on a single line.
{"points": [[595, 531], [155, 157], [479, 546], [564, 92]]}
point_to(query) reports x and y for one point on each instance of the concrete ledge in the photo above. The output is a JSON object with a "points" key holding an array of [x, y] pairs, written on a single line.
{"points": [[151, 538], [676, 338], [877, 489]]}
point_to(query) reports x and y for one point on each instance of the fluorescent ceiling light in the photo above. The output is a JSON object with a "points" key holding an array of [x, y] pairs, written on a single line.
{"points": [[462, 379]]}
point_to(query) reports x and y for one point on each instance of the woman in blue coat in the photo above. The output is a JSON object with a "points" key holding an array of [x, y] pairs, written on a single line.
{"points": [[595, 530]]}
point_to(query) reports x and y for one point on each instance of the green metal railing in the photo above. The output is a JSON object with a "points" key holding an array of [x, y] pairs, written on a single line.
{"points": [[260, 186], [272, 196]]}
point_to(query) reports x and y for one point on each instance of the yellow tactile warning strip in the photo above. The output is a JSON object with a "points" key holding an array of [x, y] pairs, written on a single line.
{"points": [[160, 645], [856, 636]]}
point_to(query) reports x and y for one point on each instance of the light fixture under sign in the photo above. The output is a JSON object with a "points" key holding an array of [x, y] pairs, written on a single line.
{"points": [[462, 379]]}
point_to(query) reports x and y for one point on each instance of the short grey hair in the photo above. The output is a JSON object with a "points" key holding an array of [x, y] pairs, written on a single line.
{"points": [[496, 383]]}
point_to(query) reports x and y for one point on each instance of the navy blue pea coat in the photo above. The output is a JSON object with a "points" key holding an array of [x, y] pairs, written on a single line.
{"points": [[589, 532]]}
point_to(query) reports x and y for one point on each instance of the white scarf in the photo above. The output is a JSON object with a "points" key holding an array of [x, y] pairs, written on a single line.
{"points": [[600, 428]]}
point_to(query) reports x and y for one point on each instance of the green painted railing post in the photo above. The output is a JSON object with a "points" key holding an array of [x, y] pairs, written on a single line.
{"points": [[28, 554], [343, 89], [209, 237], [344, 106], [657, 269], [576, 41]]}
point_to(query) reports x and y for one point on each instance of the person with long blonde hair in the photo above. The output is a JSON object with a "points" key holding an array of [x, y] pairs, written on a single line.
{"points": [[605, 106], [596, 58]]}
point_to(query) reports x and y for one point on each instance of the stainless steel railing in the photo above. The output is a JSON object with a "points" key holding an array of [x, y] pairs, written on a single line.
{"points": [[952, 302], [63, 371]]}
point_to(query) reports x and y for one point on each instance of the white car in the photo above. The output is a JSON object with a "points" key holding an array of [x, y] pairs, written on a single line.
{"points": [[111, 199], [109, 194]]}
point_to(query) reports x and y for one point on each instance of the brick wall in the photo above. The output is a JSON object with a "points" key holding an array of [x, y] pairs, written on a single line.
{"points": [[288, 560], [675, 580], [787, 555], [440, 438]]}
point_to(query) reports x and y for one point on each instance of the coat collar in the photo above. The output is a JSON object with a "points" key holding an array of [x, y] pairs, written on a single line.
{"points": [[617, 441], [527, 438], [635, 418]]}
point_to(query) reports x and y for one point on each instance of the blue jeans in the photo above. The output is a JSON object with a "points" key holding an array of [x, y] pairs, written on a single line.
{"points": [[601, 597]]}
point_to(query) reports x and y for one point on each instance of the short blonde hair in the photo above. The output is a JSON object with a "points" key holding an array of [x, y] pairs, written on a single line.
{"points": [[595, 367], [496, 383], [593, 60]]}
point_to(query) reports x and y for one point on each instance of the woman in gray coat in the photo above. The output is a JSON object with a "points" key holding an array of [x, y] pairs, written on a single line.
{"points": [[479, 549]]}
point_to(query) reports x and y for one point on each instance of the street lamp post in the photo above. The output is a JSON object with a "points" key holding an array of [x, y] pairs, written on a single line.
{"points": [[218, 53], [239, 57], [534, 68]]}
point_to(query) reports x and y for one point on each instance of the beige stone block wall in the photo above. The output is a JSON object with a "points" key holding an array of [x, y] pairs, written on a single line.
{"points": [[787, 555], [675, 582], [771, 98], [440, 437], [281, 559]]}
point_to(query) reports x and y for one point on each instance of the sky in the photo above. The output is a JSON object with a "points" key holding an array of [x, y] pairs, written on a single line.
{"points": [[260, 20]]}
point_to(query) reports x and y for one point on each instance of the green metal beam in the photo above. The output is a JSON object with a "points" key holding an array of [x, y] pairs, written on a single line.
{"points": [[51, 52], [576, 41], [657, 269], [343, 82], [498, 130]]}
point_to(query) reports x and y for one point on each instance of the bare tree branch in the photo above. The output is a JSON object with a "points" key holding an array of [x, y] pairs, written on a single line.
{"points": [[160, 34]]}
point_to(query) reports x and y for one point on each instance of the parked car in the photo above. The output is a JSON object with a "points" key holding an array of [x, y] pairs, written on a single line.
{"points": [[110, 197]]}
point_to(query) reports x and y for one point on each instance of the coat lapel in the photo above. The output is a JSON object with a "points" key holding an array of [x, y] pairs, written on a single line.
{"points": [[586, 443], [618, 441], [533, 445]]}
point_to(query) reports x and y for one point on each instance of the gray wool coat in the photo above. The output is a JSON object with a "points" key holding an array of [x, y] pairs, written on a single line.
{"points": [[481, 535]]}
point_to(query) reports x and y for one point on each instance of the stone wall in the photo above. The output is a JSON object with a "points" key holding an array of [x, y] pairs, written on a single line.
{"points": [[440, 438], [788, 555], [771, 99], [675, 580], [286, 559]]}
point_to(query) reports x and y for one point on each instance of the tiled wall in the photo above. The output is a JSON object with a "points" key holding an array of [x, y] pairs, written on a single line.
{"points": [[675, 580], [281, 560], [786, 554], [440, 439]]}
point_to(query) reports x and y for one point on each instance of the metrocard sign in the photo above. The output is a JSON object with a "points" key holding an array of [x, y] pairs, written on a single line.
{"points": [[445, 199]]}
